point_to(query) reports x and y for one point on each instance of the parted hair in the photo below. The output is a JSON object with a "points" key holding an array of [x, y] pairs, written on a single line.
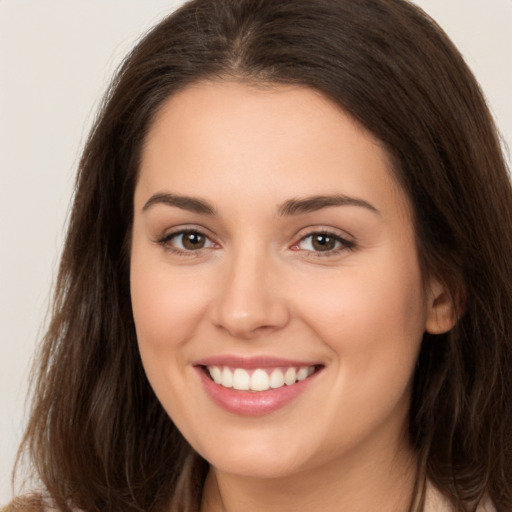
{"points": [[97, 438]]}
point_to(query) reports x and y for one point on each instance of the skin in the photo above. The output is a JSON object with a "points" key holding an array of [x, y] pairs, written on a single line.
{"points": [[258, 286]]}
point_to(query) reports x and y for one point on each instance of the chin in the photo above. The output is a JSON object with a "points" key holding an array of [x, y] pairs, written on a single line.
{"points": [[260, 457], [258, 467]]}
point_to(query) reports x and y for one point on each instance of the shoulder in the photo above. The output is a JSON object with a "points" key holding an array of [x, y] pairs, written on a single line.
{"points": [[25, 506], [435, 501], [486, 506], [29, 503]]}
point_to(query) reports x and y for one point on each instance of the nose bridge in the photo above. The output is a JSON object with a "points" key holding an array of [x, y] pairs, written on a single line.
{"points": [[250, 299]]}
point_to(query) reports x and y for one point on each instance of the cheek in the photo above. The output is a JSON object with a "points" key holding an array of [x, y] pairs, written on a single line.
{"points": [[373, 324], [359, 299], [159, 310], [372, 317], [166, 308], [166, 304]]}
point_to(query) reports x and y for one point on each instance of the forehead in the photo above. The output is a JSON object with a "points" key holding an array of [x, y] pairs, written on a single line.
{"points": [[289, 140]]}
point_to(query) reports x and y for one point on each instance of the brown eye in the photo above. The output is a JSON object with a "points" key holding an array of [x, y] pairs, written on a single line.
{"points": [[322, 242], [187, 241], [193, 240]]}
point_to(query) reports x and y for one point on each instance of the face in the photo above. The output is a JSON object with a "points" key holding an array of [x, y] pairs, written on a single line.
{"points": [[275, 283]]}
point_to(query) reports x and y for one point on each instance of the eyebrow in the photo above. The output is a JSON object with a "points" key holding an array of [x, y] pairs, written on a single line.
{"points": [[314, 203], [288, 208], [191, 204]]}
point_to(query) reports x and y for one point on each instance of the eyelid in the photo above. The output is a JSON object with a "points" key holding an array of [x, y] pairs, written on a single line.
{"points": [[346, 240], [165, 239]]}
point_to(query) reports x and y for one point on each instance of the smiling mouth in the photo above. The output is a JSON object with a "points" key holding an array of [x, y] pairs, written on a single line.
{"points": [[259, 379]]}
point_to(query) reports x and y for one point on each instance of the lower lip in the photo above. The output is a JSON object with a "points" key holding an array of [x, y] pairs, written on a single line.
{"points": [[253, 403]]}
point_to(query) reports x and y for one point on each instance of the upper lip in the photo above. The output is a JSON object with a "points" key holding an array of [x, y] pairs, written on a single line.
{"points": [[252, 363]]}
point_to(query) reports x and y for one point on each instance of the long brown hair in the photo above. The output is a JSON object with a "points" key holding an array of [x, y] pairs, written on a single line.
{"points": [[97, 437]]}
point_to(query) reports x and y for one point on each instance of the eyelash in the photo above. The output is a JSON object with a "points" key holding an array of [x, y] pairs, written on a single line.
{"points": [[166, 242], [342, 243]]}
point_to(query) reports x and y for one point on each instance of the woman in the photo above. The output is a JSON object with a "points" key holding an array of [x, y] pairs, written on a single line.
{"points": [[284, 283]]}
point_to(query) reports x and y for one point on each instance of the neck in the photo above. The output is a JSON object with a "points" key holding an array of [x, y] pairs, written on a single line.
{"points": [[383, 482]]}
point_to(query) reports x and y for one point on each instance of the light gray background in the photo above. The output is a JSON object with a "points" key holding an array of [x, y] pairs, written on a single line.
{"points": [[56, 58]]}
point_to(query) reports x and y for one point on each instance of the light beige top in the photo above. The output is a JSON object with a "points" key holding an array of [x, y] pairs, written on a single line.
{"points": [[436, 502]]}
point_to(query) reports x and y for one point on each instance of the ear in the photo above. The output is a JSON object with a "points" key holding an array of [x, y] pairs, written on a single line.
{"points": [[442, 313]]}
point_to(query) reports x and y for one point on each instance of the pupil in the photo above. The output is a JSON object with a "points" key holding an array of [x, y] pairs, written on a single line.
{"points": [[323, 243], [193, 241]]}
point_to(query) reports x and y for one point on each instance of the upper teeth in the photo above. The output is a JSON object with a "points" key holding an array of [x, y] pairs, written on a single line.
{"points": [[260, 379]]}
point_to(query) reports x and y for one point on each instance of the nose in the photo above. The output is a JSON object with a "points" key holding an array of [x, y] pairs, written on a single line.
{"points": [[251, 299]]}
